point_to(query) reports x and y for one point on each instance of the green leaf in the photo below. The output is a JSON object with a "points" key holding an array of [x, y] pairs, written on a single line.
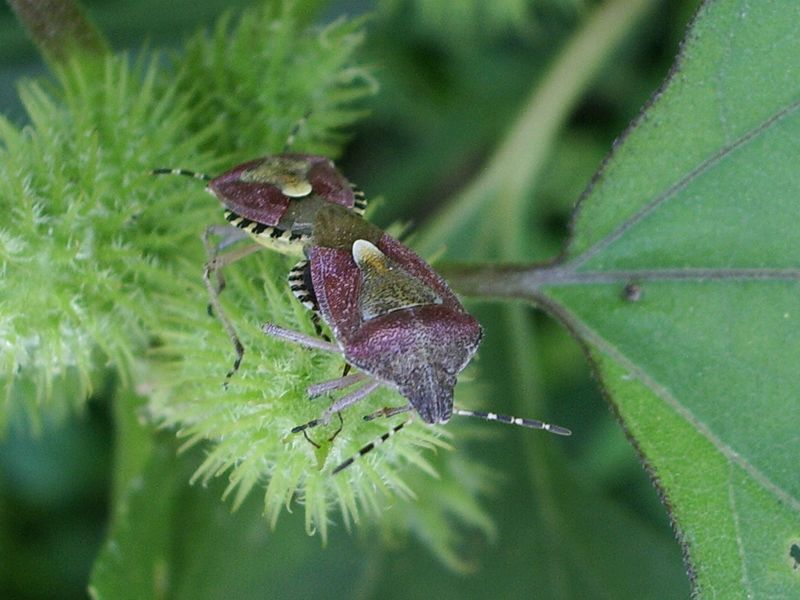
{"points": [[698, 209]]}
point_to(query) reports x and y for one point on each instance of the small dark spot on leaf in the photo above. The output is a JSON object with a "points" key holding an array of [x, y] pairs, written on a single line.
{"points": [[794, 553], [632, 292]]}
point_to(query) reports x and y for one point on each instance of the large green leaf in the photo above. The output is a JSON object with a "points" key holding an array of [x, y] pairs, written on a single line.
{"points": [[697, 212]]}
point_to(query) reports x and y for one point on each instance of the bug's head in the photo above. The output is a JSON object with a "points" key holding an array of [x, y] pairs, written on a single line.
{"points": [[430, 392]]}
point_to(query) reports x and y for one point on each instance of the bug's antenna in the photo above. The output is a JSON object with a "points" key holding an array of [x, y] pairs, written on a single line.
{"points": [[486, 416], [370, 447], [531, 423], [184, 172], [295, 130]]}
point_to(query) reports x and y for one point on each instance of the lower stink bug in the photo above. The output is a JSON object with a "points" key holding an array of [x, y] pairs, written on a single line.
{"points": [[272, 200], [392, 317]]}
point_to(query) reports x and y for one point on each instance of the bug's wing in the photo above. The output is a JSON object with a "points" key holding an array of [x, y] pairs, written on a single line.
{"points": [[329, 183], [337, 283], [261, 190], [415, 266], [253, 198], [386, 286]]}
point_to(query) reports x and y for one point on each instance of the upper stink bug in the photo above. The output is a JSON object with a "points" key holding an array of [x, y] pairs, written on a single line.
{"points": [[393, 318], [273, 200]]}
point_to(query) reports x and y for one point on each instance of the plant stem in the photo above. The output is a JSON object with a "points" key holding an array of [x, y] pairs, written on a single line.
{"points": [[528, 281], [59, 28], [513, 170]]}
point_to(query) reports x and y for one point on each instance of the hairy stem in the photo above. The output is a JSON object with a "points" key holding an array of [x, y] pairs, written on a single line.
{"points": [[58, 28]]}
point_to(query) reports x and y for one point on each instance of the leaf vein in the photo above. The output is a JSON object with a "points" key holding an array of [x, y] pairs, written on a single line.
{"points": [[566, 276], [679, 185], [737, 528], [585, 332]]}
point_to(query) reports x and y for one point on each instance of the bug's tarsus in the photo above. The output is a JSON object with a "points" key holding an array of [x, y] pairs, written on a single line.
{"points": [[184, 172], [310, 441], [310, 425], [304, 430], [237, 362], [370, 447], [339, 430], [508, 419]]}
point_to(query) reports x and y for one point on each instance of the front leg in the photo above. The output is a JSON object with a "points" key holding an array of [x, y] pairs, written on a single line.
{"points": [[215, 282]]}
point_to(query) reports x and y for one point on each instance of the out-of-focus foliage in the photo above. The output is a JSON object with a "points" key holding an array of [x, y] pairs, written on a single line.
{"points": [[567, 519], [472, 20]]}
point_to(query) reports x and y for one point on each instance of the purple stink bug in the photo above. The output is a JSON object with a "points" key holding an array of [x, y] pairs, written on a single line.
{"points": [[392, 317], [273, 200]]}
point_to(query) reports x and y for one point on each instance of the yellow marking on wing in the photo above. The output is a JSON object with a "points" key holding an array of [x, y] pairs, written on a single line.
{"points": [[368, 257], [287, 174]]}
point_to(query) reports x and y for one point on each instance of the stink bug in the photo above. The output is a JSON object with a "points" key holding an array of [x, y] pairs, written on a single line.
{"points": [[273, 200], [392, 317]]}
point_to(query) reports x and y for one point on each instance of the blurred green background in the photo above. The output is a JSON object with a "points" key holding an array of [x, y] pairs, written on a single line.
{"points": [[450, 89]]}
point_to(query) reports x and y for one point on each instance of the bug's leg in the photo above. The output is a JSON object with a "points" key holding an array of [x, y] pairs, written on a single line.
{"points": [[310, 441], [331, 385], [339, 429], [387, 412], [228, 235], [214, 282], [340, 404], [331, 438], [370, 447], [299, 338]]}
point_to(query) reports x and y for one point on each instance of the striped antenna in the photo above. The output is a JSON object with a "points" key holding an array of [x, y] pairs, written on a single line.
{"points": [[370, 447], [295, 130], [486, 416], [184, 172], [531, 423]]}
